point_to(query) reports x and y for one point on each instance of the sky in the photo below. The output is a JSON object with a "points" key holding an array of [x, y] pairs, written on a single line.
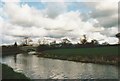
{"points": [[58, 19]]}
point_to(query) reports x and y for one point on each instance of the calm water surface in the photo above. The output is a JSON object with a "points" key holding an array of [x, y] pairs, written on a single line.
{"points": [[43, 68]]}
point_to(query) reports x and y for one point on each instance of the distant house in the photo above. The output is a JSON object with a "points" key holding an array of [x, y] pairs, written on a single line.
{"points": [[118, 36]]}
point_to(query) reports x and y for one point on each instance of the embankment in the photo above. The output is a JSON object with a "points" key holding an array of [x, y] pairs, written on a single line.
{"points": [[9, 73]]}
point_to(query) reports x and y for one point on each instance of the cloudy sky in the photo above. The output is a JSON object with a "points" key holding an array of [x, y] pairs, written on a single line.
{"points": [[58, 19]]}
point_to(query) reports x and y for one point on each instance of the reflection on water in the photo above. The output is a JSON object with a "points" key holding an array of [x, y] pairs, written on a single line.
{"points": [[44, 68]]}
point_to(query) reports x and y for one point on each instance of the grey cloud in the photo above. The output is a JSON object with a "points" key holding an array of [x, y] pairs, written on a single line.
{"points": [[108, 22], [91, 4], [22, 36], [23, 23], [85, 17], [102, 13], [56, 36], [57, 33], [4, 41], [7, 39], [54, 9]]}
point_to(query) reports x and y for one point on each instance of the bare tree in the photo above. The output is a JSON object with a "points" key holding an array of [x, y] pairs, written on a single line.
{"points": [[84, 40], [66, 41], [15, 44], [39, 41], [26, 40], [105, 43], [94, 41], [53, 43]]}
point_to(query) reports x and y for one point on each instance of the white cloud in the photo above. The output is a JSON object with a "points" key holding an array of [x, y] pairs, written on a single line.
{"points": [[112, 31], [53, 22], [111, 40]]}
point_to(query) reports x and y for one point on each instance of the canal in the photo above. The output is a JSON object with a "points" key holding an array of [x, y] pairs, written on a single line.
{"points": [[44, 68]]}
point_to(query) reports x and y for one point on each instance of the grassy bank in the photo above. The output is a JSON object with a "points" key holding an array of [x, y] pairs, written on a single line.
{"points": [[103, 55], [9, 50], [9, 73]]}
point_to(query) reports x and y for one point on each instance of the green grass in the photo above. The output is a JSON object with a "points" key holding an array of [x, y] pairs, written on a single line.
{"points": [[101, 55], [98, 51]]}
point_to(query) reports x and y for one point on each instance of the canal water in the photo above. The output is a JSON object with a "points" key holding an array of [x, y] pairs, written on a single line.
{"points": [[43, 68]]}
